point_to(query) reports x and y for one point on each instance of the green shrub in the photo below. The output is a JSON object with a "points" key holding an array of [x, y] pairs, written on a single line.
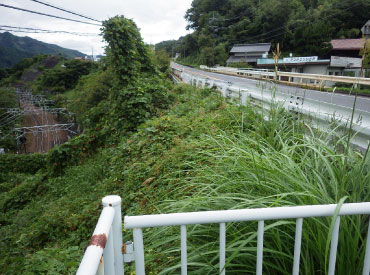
{"points": [[22, 163], [89, 92], [59, 79], [73, 152], [53, 260]]}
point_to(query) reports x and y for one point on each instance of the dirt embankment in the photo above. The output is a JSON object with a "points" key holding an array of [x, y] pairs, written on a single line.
{"points": [[34, 72]]}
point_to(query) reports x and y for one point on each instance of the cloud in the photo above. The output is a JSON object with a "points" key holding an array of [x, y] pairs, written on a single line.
{"points": [[158, 20]]}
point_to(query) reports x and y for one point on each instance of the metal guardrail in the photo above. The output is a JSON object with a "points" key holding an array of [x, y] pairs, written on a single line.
{"points": [[318, 112], [109, 225], [317, 78]]}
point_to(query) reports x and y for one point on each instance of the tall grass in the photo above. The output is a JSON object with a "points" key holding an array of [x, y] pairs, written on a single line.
{"points": [[278, 162]]}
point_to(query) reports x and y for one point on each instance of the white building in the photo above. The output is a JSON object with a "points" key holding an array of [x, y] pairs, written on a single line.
{"points": [[336, 65]]}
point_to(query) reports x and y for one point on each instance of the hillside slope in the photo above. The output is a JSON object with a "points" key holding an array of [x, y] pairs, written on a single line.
{"points": [[14, 48]]}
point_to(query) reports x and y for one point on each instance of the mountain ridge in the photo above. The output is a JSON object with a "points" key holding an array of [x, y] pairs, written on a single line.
{"points": [[15, 48]]}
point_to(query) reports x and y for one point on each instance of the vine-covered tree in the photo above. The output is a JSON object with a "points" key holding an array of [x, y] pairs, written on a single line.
{"points": [[138, 90]]}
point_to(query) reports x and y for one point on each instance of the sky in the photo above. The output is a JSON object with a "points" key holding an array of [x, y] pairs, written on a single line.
{"points": [[158, 20]]}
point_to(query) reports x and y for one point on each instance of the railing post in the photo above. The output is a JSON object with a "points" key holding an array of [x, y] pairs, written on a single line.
{"points": [[297, 246], [222, 247], [184, 260], [139, 252], [334, 247], [115, 202], [366, 269], [260, 247], [108, 256]]}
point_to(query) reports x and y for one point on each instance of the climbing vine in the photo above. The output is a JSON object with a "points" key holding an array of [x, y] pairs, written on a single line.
{"points": [[140, 89], [126, 49]]}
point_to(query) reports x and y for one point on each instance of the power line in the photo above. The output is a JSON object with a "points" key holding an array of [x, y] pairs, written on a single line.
{"points": [[35, 30], [44, 32], [49, 15], [65, 10]]}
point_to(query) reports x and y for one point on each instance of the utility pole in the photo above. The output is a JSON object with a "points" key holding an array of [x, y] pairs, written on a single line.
{"points": [[213, 51], [363, 57], [92, 54]]}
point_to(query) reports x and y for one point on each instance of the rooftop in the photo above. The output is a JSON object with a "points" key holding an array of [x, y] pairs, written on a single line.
{"points": [[347, 44], [245, 48]]}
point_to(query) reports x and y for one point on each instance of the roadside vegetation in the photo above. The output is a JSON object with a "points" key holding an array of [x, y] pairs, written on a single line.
{"points": [[166, 148]]}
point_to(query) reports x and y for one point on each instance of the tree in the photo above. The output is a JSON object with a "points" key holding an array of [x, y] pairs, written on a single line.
{"points": [[126, 49]]}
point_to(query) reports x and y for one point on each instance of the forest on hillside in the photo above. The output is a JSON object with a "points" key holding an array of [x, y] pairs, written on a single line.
{"points": [[13, 49], [302, 27]]}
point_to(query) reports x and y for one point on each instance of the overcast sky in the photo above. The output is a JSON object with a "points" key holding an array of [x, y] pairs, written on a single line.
{"points": [[158, 20]]}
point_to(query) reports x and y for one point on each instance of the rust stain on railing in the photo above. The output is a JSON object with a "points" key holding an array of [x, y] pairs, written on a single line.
{"points": [[98, 240]]}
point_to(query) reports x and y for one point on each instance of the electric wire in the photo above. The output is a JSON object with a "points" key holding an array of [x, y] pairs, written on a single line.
{"points": [[36, 30], [65, 10], [49, 15]]}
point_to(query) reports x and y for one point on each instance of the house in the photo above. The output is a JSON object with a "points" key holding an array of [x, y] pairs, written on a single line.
{"points": [[366, 30], [336, 65], [347, 47], [248, 53]]}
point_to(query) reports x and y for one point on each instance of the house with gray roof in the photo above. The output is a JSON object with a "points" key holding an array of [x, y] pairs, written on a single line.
{"points": [[248, 53]]}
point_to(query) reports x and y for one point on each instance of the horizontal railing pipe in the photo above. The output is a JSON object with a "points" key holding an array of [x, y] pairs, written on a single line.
{"points": [[205, 217], [255, 72]]}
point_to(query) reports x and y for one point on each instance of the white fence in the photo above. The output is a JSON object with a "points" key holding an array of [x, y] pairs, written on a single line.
{"points": [[311, 79], [319, 112], [109, 224]]}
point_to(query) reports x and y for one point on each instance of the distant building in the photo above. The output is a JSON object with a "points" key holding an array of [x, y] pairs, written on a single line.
{"points": [[336, 65], [248, 53], [347, 47], [366, 30]]}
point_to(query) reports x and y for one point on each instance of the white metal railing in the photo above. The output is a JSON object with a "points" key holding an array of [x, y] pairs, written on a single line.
{"points": [[107, 235], [137, 223], [321, 112], [103, 254], [317, 78]]}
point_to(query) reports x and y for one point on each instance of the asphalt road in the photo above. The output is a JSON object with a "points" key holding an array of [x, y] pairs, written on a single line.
{"points": [[363, 103]]}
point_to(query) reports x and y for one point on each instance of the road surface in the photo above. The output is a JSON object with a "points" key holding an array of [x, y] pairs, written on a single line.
{"points": [[363, 103]]}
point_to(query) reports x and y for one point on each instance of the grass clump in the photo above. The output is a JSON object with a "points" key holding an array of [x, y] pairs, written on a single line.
{"points": [[278, 162]]}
